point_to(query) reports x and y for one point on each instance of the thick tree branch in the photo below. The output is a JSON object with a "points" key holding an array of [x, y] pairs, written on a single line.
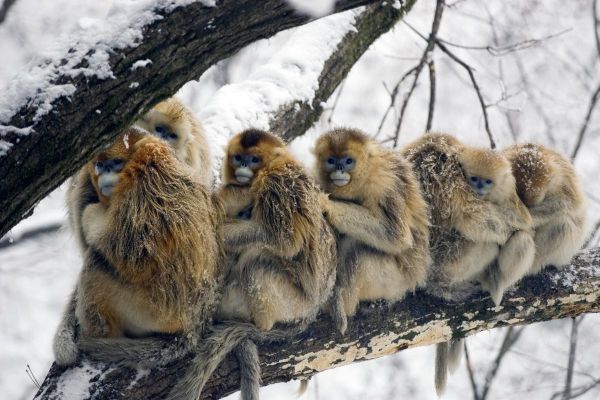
{"points": [[377, 330], [41, 147]]}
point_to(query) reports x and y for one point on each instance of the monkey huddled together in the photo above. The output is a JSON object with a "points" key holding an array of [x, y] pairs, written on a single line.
{"points": [[171, 266]]}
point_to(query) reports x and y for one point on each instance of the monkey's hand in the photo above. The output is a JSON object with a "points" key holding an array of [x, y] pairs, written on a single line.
{"points": [[240, 233], [485, 223]]}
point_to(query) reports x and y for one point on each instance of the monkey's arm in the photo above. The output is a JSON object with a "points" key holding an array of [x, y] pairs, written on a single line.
{"points": [[483, 223], [368, 226], [548, 210], [238, 234]]}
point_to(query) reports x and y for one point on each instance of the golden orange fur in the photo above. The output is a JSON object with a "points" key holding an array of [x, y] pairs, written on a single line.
{"points": [[381, 219]]}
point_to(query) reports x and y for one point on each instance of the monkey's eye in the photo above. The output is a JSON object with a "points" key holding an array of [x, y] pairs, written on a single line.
{"points": [[349, 161], [99, 164], [255, 160], [237, 158], [160, 129], [331, 161], [473, 179], [172, 136], [488, 181]]}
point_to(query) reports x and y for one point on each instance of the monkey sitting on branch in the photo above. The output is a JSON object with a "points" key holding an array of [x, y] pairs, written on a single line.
{"points": [[481, 231], [144, 271], [548, 185], [380, 217]]}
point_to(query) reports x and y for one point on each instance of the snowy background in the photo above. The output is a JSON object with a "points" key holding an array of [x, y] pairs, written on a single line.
{"points": [[537, 79]]}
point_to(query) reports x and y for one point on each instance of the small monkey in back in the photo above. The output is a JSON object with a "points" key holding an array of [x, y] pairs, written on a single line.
{"points": [[548, 185], [173, 122], [281, 249], [377, 209]]}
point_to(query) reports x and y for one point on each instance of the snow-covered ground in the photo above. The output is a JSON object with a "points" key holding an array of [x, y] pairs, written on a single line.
{"points": [[542, 91]]}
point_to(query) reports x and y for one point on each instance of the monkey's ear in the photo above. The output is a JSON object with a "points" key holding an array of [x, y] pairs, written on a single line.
{"points": [[313, 150]]}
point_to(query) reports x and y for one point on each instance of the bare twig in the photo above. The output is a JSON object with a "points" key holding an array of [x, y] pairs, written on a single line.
{"points": [[6, 5], [592, 234], [596, 25], [497, 50], [510, 338], [432, 84], [425, 58], [393, 95], [571, 363], [469, 70], [586, 122], [474, 387]]}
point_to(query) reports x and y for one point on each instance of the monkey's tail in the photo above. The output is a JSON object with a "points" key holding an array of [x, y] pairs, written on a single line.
{"points": [[213, 349], [441, 367], [247, 355], [447, 359], [303, 387]]}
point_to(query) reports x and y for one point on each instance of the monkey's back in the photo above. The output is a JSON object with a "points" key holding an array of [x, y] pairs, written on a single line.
{"points": [[288, 205]]}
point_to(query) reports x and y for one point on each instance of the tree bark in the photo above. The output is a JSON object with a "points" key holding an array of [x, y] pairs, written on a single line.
{"points": [[377, 330], [182, 44]]}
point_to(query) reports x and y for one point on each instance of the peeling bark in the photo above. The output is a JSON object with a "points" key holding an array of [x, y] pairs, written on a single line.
{"points": [[377, 330], [182, 45]]}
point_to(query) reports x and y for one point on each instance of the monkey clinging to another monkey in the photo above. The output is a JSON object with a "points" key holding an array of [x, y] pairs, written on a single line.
{"points": [[280, 248], [480, 229], [377, 210], [144, 272], [548, 185]]}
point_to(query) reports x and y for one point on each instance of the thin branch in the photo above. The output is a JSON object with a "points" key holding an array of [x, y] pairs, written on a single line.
{"points": [[474, 388], [469, 70], [586, 122], [393, 95], [8, 240], [425, 58], [596, 25], [499, 51], [592, 234], [571, 363], [4, 8], [510, 338], [432, 85]]}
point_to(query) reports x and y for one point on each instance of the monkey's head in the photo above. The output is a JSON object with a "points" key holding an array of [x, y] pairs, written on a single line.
{"points": [[247, 153], [343, 159], [104, 169], [168, 121], [532, 171], [488, 173]]}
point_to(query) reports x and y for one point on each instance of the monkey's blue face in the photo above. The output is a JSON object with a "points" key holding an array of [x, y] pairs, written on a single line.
{"points": [[339, 169], [163, 132], [108, 174], [244, 166], [481, 186]]}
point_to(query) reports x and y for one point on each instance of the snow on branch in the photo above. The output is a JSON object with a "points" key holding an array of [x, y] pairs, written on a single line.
{"points": [[377, 330], [58, 113], [286, 94]]}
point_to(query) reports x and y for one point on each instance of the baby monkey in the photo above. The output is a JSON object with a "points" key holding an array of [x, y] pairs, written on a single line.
{"points": [[144, 271], [378, 212], [548, 185]]}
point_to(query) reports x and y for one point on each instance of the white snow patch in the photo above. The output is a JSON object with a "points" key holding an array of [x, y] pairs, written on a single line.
{"points": [[4, 147], [134, 85], [315, 8], [140, 64], [291, 75], [74, 383]]}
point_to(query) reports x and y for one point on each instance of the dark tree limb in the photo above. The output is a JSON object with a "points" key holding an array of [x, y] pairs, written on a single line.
{"points": [[182, 44], [377, 330], [4, 8]]}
